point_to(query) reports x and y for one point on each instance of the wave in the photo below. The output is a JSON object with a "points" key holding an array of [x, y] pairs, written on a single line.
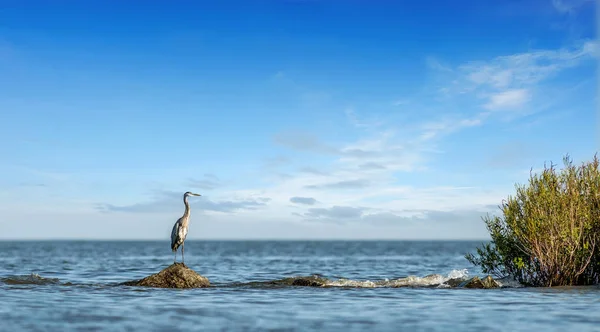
{"points": [[433, 280], [454, 279]]}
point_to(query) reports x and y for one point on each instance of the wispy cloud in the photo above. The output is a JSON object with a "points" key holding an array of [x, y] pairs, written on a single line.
{"points": [[426, 218], [446, 126], [524, 69], [569, 6], [382, 147], [303, 200], [169, 202], [361, 184], [337, 213], [371, 166], [508, 99], [347, 184], [516, 82]]}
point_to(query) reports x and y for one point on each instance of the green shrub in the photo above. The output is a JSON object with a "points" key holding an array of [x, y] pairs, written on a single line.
{"points": [[549, 232]]}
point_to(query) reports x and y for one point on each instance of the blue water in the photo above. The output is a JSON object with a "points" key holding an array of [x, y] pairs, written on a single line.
{"points": [[73, 285]]}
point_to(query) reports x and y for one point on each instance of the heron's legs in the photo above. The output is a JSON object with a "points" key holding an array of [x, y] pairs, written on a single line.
{"points": [[175, 259], [182, 249]]}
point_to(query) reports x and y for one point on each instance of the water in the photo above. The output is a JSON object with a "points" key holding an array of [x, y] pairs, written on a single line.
{"points": [[72, 285]]}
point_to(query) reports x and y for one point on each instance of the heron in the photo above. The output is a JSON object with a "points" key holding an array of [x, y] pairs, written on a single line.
{"points": [[180, 229]]}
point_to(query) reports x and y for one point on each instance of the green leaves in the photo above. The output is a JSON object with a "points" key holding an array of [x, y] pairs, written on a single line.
{"points": [[549, 232], [518, 261]]}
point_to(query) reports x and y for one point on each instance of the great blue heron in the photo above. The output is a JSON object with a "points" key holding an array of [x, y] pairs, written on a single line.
{"points": [[180, 229]]}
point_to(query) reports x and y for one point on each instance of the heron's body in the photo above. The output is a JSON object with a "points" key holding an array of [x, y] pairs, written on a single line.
{"points": [[178, 234], [180, 229]]}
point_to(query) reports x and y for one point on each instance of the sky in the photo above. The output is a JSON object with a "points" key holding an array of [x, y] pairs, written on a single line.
{"points": [[294, 119]]}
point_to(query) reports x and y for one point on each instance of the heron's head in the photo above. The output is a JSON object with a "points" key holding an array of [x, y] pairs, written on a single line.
{"points": [[188, 193]]}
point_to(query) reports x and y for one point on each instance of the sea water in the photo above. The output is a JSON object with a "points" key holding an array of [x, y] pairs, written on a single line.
{"points": [[371, 285]]}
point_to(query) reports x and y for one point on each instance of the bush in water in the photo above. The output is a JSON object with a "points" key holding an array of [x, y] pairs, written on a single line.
{"points": [[549, 232]]}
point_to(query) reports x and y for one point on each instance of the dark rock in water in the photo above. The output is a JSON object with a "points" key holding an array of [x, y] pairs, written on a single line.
{"points": [[32, 279], [175, 276], [475, 282], [310, 281], [455, 282]]}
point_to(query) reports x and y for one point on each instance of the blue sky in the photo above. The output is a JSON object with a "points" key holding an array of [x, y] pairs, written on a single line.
{"points": [[294, 119]]}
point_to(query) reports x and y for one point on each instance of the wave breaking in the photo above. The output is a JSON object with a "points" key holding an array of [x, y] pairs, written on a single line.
{"points": [[454, 279]]}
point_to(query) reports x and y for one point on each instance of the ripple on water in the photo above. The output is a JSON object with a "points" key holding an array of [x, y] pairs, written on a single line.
{"points": [[375, 285]]}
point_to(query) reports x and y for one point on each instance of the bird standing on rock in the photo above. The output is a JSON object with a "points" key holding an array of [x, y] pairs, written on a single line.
{"points": [[180, 229]]}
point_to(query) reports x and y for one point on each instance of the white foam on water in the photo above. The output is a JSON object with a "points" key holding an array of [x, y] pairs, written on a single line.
{"points": [[410, 281], [458, 274], [352, 283]]}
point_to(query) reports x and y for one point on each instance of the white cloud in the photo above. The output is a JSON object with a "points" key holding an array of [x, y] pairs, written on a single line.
{"points": [[568, 6], [362, 186], [303, 200], [449, 125], [513, 81], [508, 99], [525, 69]]}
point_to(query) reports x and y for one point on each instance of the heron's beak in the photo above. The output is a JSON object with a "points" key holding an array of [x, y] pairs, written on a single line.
{"points": [[195, 194]]}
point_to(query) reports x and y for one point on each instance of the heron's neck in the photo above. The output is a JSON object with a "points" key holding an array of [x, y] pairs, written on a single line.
{"points": [[186, 214]]}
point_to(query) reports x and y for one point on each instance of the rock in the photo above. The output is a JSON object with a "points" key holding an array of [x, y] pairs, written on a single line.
{"points": [[431, 280], [489, 282], [475, 282], [177, 275], [309, 281], [454, 282]]}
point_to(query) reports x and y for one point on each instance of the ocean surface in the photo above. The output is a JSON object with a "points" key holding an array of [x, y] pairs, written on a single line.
{"points": [[374, 285]]}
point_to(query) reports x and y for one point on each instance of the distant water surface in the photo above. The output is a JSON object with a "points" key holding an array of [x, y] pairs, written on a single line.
{"points": [[72, 285]]}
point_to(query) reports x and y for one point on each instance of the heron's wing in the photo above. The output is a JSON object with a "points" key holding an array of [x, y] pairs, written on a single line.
{"points": [[175, 235]]}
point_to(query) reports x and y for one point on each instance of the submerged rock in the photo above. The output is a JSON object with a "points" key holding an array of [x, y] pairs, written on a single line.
{"points": [[309, 281], [475, 282], [454, 282], [175, 276]]}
